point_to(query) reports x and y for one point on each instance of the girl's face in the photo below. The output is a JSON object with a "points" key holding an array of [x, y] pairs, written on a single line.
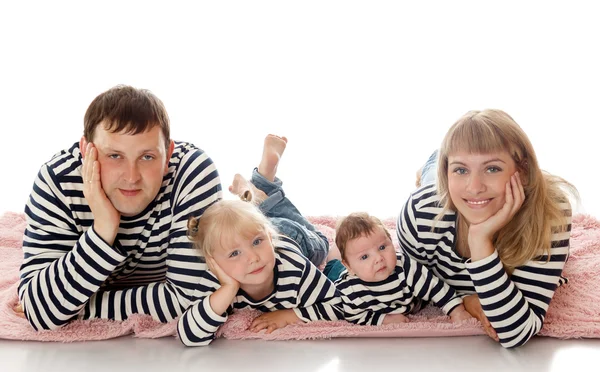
{"points": [[477, 183], [248, 260]]}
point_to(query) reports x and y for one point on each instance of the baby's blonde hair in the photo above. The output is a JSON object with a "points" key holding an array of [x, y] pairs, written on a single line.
{"points": [[223, 222]]}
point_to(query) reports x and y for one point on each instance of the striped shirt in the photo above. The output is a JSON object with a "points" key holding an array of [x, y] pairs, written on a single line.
{"points": [[367, 303], [515, 305], [299, 285], [69, 272]]}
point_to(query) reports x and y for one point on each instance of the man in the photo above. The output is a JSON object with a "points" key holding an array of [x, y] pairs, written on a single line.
{"points": [[106, 233]]}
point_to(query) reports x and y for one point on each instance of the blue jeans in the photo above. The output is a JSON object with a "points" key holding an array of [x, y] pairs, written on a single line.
{"points": [[288, 221], [429, 170]]}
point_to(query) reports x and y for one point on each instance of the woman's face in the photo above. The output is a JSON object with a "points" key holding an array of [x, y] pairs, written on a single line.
{"points": [[477, 183]]}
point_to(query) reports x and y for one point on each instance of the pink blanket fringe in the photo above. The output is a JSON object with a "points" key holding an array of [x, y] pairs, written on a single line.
{"points": [[574, 312]]}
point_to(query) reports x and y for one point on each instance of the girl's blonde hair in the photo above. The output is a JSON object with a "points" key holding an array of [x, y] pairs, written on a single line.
{"points": [[224, 222], [487, 131]]}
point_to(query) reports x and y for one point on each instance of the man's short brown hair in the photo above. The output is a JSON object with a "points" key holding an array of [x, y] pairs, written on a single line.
{"points": [[126, 109], [355, 226]]}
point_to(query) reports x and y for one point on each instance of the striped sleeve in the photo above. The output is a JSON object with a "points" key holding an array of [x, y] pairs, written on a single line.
{"points": [[357, 302], [199, 324], [516, 306], [427, 286], [60, 269], [196, 187], [317, 298], [430, 241]]}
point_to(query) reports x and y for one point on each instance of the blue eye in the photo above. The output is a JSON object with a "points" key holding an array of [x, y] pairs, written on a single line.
{"points": [[257, 241], [493, 169], [148, 157], [382, 248], [234, 254], [364, 257], [114, 156], [460, 171]]}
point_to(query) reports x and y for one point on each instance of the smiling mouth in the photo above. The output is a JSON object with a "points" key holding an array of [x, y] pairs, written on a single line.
{"points": [[381, 270], [477, 203], [257, 271]]}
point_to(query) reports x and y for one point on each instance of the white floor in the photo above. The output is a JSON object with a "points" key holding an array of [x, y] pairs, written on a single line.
{"points": [[475, 353]]}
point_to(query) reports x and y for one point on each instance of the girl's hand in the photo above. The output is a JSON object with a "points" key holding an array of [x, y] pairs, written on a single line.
{"points": [[274, 320], [459, 313], [483, 232], [473, 306], [394, 318], [224, 279]]}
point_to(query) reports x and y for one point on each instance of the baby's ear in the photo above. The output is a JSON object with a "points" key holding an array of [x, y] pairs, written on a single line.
{"points": [[347, 267]]}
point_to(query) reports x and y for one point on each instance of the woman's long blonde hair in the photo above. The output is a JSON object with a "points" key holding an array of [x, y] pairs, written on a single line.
{"points": [[487, 131]]}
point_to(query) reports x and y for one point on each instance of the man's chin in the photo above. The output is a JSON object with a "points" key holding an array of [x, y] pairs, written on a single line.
{"points": [[128, 210]]}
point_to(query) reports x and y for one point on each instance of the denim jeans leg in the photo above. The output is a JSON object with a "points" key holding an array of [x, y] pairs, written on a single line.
{"points": [[429, 170], [278, 208]]}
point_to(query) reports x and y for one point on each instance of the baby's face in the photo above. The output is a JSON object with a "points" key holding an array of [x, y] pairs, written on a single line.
{"points": [[250, 261], [372, 258]]}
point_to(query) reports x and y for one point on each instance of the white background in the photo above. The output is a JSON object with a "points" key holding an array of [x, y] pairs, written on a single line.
{"points": [[364, 91]]}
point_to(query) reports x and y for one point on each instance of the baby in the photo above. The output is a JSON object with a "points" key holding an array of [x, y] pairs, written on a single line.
{"points": [[381, 285]]}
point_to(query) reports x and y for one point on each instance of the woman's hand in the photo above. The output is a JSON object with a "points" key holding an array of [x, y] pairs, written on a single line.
{"points": [[459, 313], [473, 306], [481, 234], [274, 320], [514, 198]]}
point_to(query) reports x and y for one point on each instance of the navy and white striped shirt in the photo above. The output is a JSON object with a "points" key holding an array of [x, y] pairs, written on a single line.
{"points": [[69, 272], [515, 305], [367, 303], [299, 285]]}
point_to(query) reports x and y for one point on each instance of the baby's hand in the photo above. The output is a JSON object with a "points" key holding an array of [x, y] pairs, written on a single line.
{"points": [[274, 320], [394, 318], [18, 309], [459, 313]]}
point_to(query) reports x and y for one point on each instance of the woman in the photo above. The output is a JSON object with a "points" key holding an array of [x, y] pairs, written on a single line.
{"points": [[493, 225]]}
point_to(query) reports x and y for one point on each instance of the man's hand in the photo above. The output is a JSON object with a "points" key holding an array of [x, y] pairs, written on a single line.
{"points": [[106, 217], [274, 320], [394, 318], [473, 306]]}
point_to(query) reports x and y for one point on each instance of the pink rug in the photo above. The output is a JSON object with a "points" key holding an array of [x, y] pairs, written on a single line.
{"points": [[574, 312]]}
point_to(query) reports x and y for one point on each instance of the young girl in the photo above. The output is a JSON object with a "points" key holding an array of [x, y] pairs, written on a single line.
{"points": [[495, 226], [252, 266]]}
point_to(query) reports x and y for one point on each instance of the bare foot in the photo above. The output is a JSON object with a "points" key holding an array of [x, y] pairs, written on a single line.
{"points": [[272, 152], [418, 180], [246, 190]]}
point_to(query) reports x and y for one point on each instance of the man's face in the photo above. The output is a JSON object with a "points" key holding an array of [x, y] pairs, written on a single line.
{"points": [[131, 167]]}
